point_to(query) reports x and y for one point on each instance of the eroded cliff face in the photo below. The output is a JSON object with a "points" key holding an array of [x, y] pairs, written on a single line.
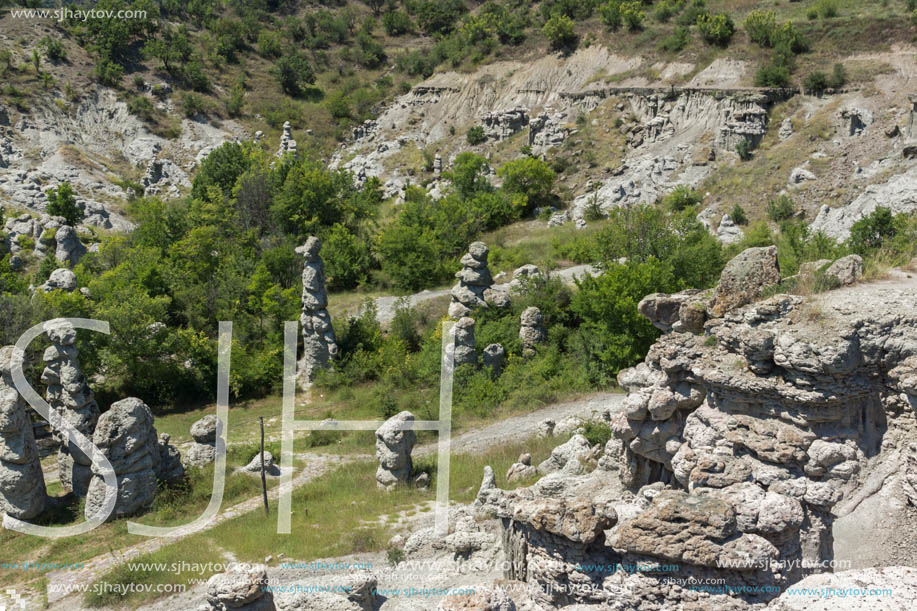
{"points": [[738, 447]]}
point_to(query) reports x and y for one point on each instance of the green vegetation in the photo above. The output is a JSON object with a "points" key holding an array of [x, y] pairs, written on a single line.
{"points": [[475, 135], [61, 202], [559, 31], [716, 29]]}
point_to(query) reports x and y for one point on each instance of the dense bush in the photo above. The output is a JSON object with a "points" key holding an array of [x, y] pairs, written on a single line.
{"points": [[560, 32], [293, 72], [780, 209], [716, 29], [397, 23], [632, 15], [761, 27], [738, 215], [475, 135], [677, 40], [680, 198], [529, 178], [61, 202]]}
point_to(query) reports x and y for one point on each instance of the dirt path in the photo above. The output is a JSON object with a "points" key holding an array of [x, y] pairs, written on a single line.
{"points": [[516, 427]]}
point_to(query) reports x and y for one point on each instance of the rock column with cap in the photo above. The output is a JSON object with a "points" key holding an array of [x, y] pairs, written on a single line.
{"points": [[287, 143], [393, 450], [204, 450], [474, 278], [69, 394], [22, 484], [319, 343], [531, 331]]}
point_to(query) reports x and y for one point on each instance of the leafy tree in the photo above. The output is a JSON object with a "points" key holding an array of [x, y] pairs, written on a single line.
{"points": [[632, 15], [530, 177], [397, 23], [761, 27], [680, 198], [221, 168], [780, 209], [560, 32], [438, 16], [611, 14], [293, 72], [347, 257], [61, 202], [469, 175]]}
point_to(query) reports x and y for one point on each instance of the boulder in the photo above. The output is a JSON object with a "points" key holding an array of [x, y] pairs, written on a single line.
{"points": [[61, 279], [569, 457], [203, 451], [240, 586], [22, 483], [745, 278], [126, 436], [393, 450], [846, 270]]}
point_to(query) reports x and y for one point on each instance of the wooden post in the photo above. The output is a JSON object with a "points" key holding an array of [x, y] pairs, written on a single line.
{"points": [[263, 478]]}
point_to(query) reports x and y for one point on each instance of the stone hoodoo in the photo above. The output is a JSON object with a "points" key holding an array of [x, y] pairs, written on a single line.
{"points": [[465, 352], [69, 394], [393, 450], [287, 143], [319, 343], [494, 357], [739, 451], [204, 448], [22, 484], [531, 330], [474, 278], [126, 436]]}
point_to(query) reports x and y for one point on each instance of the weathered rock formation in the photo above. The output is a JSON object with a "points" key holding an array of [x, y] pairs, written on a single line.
{"points": [[494, 358], [393, 450], [531, 330], [846, 270], [464, 350], [46, 235], [241, 587], [502, 124], [69, 394], [474, 278], [287, 143], [126, 436], [319, 343], [204, 449], [522, 469], [739, 449], [61, 279], [22, 484]]}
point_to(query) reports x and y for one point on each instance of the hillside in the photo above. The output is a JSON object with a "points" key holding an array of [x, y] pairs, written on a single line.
{"points": [[545, 174]]}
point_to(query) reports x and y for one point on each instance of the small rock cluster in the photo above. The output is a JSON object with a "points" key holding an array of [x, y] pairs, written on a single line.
{"points": [[546, 131], [473, 280], [203, 451], [22, 484], [393, 450], [69, 394], [164, 175], [502, 124], [319, 343], [49, 234]]}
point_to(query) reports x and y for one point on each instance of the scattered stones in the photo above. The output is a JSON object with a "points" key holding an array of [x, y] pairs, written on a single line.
{"points": [[558, 219], [204, 450], [494, 358], [61, 279], [69, 394], [531, 330], [319, 343], [464, 350], [474, 278], [846, 270], [22, 483], [126, 436], [394, 444], [745, 278]]}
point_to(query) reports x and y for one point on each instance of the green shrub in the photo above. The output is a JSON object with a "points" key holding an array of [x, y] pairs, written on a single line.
{"points": [[780, 209], [677, 40], [743, 149], [475, 135], [293, 72], [530, 178], [560, 32], [596, 433], [141, 106], [61, 202], [738, 215], [611, 14], [347, 257], [761, 27], [54, 49], [192, 104], [666, 9], [772, 75], [716, 29], [680, 198], [269, 44], [827, 9], [693, 11], [632, 15], [108, 72], [397, 23], [236, 100], [816, 82], [873, 231], [838, 77]]}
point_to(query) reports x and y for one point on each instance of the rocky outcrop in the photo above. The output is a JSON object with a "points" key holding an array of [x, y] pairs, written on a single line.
{"points": [[531, 330], [745, 278], [502, 124], [126, 436], [61, 279], [204, 449], [521, 469], [164, 177], [473, 280], [683, 312], [393, 450], [241, 587], [892, 588], [319, 343], [729, 232], [547, 131], [45, 235], [22, 483], [480, 598], [69, 394]]}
